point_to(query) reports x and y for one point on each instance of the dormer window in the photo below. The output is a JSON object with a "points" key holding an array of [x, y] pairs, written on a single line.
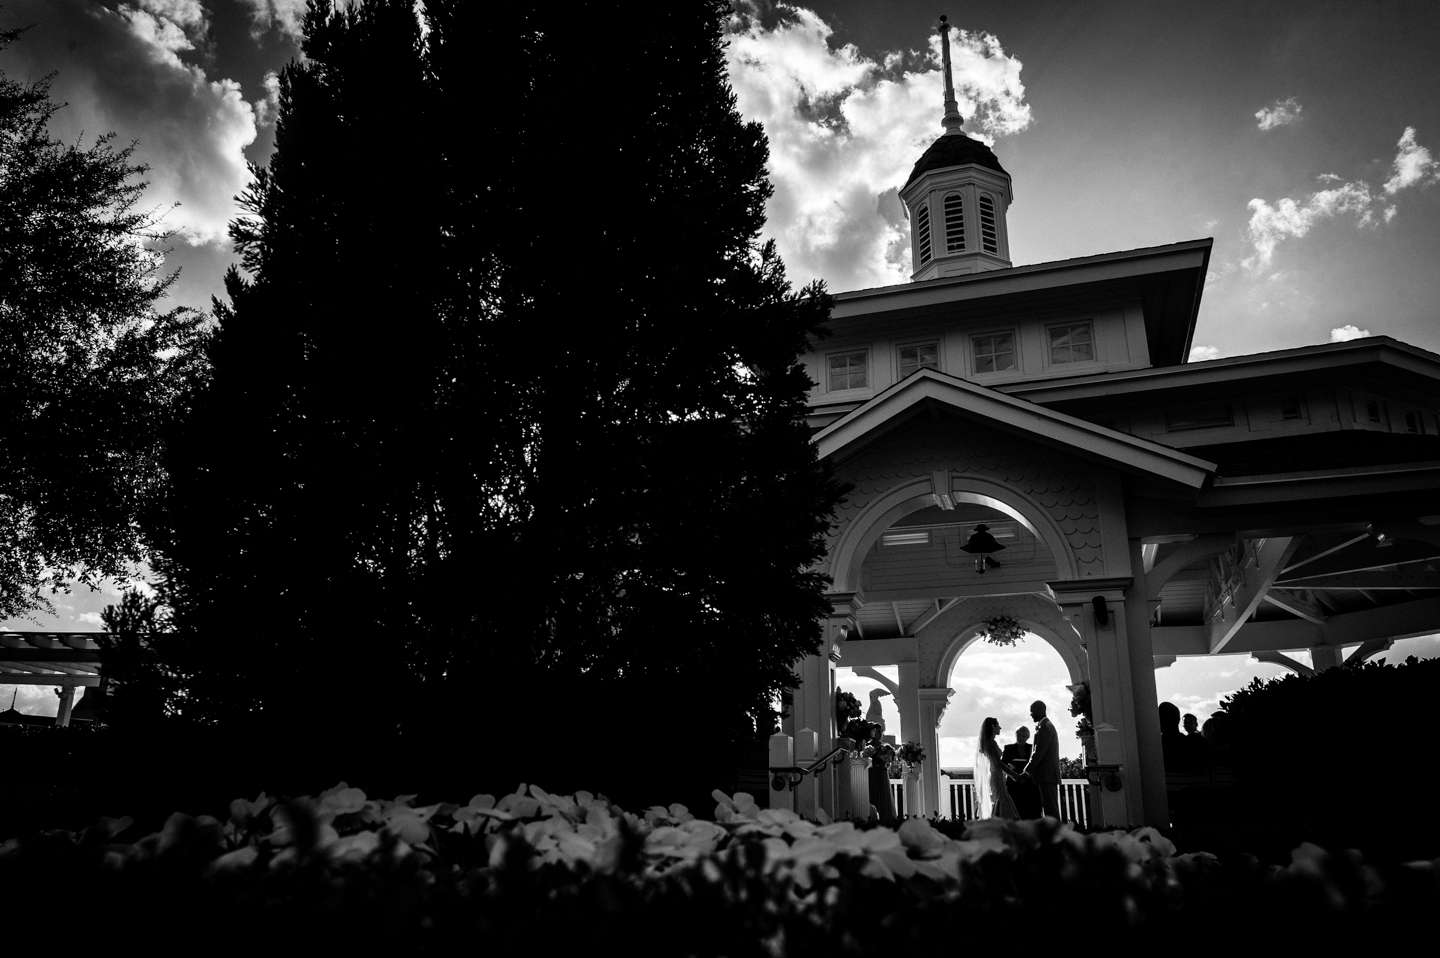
{"points": [[849, 371], [915, 358], [1071, 344], [922, 235], [954, 223], [989, 239]]}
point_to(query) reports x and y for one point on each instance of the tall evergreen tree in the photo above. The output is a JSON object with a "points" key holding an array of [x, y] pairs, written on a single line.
{"points": [[90, 369], [512, 395]]}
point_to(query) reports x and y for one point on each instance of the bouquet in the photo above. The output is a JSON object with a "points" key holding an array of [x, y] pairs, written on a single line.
{"points": [[847, 707]]}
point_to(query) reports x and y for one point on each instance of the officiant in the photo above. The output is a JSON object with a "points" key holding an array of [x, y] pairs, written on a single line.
{"points": [[1025, 795]]}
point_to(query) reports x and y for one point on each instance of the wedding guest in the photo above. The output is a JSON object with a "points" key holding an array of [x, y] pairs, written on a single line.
{"points": [[1025, 795], [1172, 741], [1199, 749]]}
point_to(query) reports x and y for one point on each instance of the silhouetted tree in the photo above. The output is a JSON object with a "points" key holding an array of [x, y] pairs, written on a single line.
{"points": [[512, 396], [90, 372]]}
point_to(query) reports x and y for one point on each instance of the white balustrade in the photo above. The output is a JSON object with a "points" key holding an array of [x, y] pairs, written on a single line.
{"points": [[958, 799]]}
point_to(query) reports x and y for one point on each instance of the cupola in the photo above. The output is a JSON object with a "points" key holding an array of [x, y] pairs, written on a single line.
{"points": [[956, 197]]}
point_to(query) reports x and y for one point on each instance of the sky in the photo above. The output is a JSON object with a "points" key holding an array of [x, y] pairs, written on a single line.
{"points": [[1301, 136]]}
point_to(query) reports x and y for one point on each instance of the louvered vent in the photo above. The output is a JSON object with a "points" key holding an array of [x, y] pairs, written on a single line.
{"points": [[989, 241], [922, 234], [954, 224]]}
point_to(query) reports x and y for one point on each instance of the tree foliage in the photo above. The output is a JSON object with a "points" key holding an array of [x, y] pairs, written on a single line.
{"points": [[510, 393], [90, 372]]}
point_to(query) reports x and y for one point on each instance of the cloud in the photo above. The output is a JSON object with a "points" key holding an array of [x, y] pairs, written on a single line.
{"points": [[1283, 113], [268, 108], [89, 618], [845, 130], [1271, 224], [122, 70], [1199, 354], [287, 16], [1413, 164], [1343, 334]]}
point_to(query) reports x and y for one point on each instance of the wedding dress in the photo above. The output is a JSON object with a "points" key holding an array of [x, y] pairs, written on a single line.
{"points": [[992, 800]]}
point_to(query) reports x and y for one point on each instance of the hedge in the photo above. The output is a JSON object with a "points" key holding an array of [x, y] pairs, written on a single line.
{"points": [[537, 873]]}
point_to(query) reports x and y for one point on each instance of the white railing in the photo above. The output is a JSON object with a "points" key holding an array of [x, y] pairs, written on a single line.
{"points": [[959, 799]]}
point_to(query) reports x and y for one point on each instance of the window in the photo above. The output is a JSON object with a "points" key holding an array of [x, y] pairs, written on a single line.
{"points": [[1290, 409], [922, 235], [1412, 422], [1372, 410], [989, 240], [923, 356], [994, 352], [848, 371], [954, 223], [1200, 417], [1071, 344], [920, 538]]}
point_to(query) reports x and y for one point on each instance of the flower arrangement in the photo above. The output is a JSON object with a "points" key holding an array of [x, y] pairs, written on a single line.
{"points": [[859, 731], [1002, 630], [881, 753], [911, 753], [1080, 706], [847, 707]]}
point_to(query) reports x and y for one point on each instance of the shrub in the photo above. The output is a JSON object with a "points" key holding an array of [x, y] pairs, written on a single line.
{"points": [[1283, 735], [539, 873]]}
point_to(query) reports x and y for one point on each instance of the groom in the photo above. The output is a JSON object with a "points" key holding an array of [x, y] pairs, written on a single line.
{"points": [[1044, 766]]}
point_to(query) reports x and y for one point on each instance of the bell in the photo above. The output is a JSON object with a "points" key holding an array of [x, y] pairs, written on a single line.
{"points": [[980, 545]]}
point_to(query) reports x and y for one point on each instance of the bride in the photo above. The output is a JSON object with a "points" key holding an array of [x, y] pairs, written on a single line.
{"points": [[992, 799]]}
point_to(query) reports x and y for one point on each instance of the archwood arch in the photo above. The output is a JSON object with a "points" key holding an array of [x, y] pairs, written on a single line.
{"points": [[898, 502]]}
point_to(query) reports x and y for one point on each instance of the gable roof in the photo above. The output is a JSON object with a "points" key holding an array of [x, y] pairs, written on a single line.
{"points": [[927, 387]]}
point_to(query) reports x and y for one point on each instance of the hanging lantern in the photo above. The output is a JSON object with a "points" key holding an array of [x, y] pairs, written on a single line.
{"points": [[980, 545]]}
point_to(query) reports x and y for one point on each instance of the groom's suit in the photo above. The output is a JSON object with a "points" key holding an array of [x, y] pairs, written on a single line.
{"points": [[1044, 767]]}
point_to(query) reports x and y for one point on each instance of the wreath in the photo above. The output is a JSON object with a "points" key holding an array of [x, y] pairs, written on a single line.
{"points": [[1002, 630]]}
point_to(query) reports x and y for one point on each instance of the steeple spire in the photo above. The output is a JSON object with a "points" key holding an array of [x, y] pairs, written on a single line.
{"points": [[952, 120]]}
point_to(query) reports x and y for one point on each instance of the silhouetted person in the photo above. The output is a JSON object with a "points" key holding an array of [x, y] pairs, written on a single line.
{"points": [[1025, 795], [1198, 748], [1044, 766], [1172, 741]]}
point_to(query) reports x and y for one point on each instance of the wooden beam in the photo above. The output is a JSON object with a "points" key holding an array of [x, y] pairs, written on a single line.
{"points": [[1405, 577], [895, 608], [1367, 556], [1284, 661], [989, 587], [1400, 621], [1201, 547], [932, 615], [1295, 606], [1307, 556], [58, 681], [78, 656], [1270, 558]]}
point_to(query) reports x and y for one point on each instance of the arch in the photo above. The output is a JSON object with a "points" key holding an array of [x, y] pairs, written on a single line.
{"points": [[1039, 616], [954, 223], [901, 500]]}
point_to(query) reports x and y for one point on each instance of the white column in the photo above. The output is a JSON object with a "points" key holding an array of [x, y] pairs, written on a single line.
{"points": [[1112, 693], [67, 703], [807, 793], [932, 709], [914, 792], [907, 700], [782, 755]]}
